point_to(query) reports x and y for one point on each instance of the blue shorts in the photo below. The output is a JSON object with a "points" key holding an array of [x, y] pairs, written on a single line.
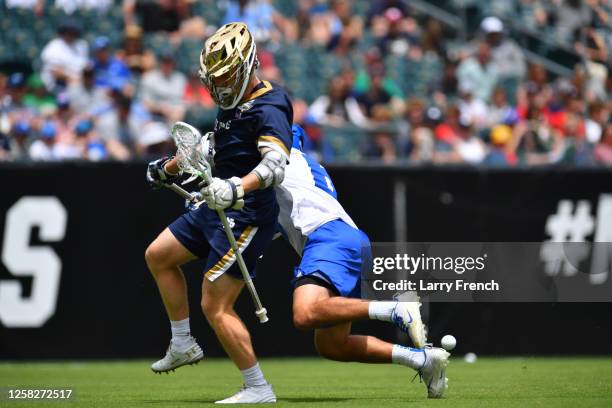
{"points": [[201, 232], [336, 253]]}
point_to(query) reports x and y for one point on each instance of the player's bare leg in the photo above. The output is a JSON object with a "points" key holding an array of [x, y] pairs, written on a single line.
{"points": [[314, 307], [164, 257], [337, 342], [218, 298]]}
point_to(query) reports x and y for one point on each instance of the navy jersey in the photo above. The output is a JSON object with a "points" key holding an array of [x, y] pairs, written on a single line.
{"points": [[263, 120]]}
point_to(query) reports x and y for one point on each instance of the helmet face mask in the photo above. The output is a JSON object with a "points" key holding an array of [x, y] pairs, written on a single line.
{"points": [[227, 63]]}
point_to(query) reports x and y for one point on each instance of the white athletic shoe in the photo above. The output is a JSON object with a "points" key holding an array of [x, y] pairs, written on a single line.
{"points": [[407, 316], [261, 394], [175, 359], [433, 372]]}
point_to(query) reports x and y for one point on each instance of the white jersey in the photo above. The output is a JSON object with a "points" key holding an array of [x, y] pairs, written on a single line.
{"points": [[307, 199]]}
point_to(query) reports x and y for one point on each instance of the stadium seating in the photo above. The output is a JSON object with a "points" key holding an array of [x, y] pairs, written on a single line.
{"points": [[295, 61], [306, 66]]}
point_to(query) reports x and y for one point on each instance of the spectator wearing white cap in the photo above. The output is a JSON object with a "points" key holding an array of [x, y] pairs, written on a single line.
{"points": [[506, 54]]}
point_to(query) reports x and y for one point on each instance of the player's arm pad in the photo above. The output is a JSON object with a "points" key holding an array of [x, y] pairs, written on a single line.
{"points": [[271, 169]]}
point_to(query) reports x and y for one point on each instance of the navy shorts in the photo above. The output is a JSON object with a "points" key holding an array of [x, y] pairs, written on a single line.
{"points": [[201, 232], [336, 253]]}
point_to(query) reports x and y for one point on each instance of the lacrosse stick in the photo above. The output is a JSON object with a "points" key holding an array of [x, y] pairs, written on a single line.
{"points": [[192, 160], [182, 192]]}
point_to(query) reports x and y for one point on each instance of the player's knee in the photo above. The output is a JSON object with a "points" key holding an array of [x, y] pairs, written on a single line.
{"points": [[303, 318], [207, 307], [211, 309], [153, 256], [159, 255]]}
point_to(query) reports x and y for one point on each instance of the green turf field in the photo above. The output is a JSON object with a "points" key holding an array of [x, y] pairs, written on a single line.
{"points": [[511, 382]]}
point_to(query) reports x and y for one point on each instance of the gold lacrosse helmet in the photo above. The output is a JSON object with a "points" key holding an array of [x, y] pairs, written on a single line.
{"points": [[227, 61]]}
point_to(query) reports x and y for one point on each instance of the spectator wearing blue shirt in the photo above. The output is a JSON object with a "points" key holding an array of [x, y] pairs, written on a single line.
{"points": [[109, 72]]}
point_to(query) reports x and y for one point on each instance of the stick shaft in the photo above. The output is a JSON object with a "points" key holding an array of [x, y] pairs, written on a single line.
{"points": [[180, 191], [260, 311]]}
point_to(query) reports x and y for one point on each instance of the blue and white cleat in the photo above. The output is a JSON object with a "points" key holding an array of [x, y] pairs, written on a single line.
{"points": [[175, 359], [407, 317], [433, 372], [262, 394]]}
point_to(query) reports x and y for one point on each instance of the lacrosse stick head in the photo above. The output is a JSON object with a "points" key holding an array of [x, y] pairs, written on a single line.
{"points": [[191, 158]]}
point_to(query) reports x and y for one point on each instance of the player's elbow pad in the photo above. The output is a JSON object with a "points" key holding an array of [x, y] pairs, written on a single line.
{"points": [[271, 169]]}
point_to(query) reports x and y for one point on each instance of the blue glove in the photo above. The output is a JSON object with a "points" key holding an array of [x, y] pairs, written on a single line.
{"points": [[157, 177]]}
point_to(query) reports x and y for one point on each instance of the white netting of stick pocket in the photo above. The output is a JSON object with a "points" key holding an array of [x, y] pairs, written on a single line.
{"points": [[190, 157]]}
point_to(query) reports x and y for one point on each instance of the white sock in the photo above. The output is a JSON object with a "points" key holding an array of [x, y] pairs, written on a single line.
{"points": [[408, 356], [253, 376], [381, 310], [181, 334]]}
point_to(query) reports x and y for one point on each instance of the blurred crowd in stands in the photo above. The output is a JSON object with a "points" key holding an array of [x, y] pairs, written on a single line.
{"points": [[385, 80]]}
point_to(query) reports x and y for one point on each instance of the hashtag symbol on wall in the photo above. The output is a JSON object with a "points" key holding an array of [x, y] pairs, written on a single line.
{"points": [[568, 224]]}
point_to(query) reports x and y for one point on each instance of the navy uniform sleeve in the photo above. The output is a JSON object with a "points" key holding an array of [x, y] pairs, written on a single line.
{"points": [[275, 130]]}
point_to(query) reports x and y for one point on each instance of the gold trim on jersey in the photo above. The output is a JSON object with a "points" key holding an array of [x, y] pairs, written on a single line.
{"points": [[266, 88], [275, 140]]}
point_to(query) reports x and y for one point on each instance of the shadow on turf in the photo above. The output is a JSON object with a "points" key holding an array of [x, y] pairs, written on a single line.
{"points": [[306, 399], [295, 400]]}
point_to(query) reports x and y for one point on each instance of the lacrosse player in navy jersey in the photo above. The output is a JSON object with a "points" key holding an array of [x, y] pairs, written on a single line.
{"points": [[334, 252], [252, 138]]}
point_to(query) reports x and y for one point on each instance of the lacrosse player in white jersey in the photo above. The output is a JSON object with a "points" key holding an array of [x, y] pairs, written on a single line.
{"points": [[327, 281]]}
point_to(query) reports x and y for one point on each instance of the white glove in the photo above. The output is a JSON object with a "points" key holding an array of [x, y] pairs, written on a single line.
{"points": [[221, 194]]}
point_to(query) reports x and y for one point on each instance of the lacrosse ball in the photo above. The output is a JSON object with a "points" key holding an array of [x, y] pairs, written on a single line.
{"points": [[470, 358], [448, 342]]}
